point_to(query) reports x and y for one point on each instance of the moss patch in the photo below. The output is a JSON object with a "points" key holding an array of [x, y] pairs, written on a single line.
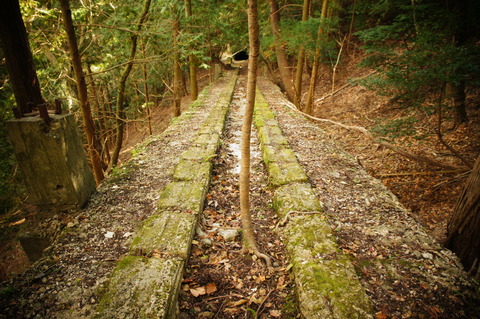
{"points": [[330, 289], [183, 196], [200, 153], [142, 288], [297, 196], [281, 173], [191, 170], [168, 232]]}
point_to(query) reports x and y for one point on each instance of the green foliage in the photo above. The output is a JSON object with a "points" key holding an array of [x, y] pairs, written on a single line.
{"points": [[396, 127], [415, 52]]}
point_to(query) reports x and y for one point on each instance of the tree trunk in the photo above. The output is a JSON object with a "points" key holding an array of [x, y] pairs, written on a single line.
{"points": [[82, 92], [192, 61], [18, 56], [121, 99], [316, 62], [244, 184], [147, 95], [177, 76], [282, 60], [464, 226], [457, 93], [301, 60]]}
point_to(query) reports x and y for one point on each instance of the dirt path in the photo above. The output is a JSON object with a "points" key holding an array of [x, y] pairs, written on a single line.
{"points": [[220, 280]]}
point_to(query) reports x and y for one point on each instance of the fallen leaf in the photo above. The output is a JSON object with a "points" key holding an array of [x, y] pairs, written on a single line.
{"points": [[198, 291], [275, 313], [210, 288], [380, 315]]}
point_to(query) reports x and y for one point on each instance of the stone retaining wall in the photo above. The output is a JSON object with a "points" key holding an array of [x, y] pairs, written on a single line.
{"points": [[145, 284]]}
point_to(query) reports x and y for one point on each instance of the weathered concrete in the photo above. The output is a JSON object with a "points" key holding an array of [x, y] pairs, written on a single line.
{"points": [[143, 288], [146, 284], [326, 283], [52, 161], [168, 233]]}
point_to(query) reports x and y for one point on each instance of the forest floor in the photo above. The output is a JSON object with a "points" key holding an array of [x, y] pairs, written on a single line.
{"points": [[430, 193], [247, 289]]}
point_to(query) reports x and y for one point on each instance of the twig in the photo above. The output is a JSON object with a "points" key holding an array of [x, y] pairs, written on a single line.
{"points": [[343, 87], [417, 173], [259, 311]]}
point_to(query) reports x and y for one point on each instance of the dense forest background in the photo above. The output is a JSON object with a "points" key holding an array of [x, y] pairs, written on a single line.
{"points": [[142, 57]]}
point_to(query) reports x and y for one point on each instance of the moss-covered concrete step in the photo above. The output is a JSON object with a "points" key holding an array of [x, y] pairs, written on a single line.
{"points": [[326, 283], [168, 233], [143, 288]]}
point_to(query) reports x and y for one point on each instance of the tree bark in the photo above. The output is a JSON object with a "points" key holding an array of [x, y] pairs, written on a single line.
{"points": [[457, 93], [300, 60], [282, 59], [82, 92], [121, 99], [316, 62], [464, 226], [244, 183], [177, 76], [192, 61], [18, 56]]}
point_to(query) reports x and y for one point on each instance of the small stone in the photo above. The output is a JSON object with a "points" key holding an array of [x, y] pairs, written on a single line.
{"points": [[228, 234], [207, 242]]}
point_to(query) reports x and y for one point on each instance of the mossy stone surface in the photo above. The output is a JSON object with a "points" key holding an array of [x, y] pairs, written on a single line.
{"points": [[142, 288], [208, 139], [183, 196], [330, 289], [295, 197], [167, 232], [191, 170], [200, 153], [278, 153], [281, 173], [309, 237]]}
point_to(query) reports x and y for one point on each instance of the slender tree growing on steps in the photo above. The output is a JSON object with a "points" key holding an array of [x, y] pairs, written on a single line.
{"points": [[82, 92], [120, 107], [316, 61], [250, 243]]}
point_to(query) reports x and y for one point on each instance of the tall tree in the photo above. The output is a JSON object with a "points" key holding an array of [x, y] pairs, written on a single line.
{"points": [[192, 61], [14, 41], [282, 60], [244, 183], [121, 99], [301, 59], [82, 91], [316, 61], [177, 72], [464, 226]]}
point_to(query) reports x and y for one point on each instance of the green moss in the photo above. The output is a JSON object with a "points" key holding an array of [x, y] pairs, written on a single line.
{"points": [[168, 232], [183, 196], [145, 287], [281, 173], [205, 152], [295, 197], [191, 170]]}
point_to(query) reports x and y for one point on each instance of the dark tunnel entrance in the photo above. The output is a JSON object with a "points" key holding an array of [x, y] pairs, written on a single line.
{"points": [[240, 56]]}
